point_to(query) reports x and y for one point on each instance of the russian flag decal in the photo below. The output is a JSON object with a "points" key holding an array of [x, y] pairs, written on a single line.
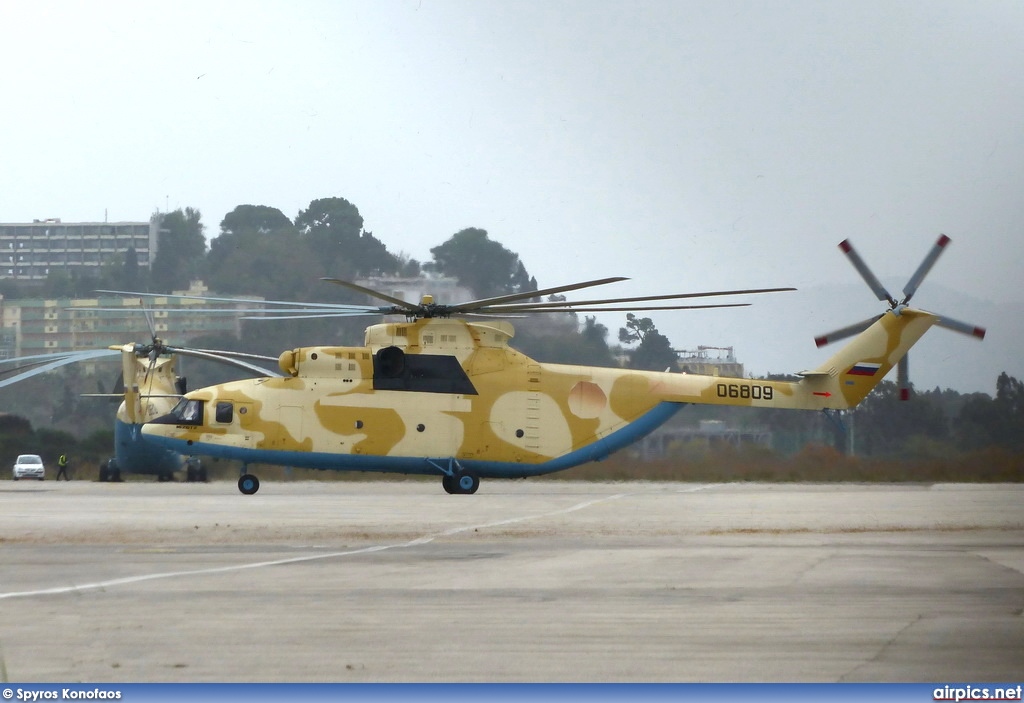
{"points": [[864, 368]]}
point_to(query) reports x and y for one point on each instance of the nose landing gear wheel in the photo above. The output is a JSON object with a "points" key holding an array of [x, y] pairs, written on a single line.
{"points": [[248, 484]]}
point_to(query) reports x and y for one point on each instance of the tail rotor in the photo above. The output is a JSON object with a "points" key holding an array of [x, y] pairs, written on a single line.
{"points": [[894, 306]]}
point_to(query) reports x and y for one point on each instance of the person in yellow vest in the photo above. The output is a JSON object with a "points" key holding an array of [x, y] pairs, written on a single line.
{"points": [[62, 470]]}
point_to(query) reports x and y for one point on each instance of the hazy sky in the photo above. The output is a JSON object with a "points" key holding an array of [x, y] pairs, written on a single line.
{"points": [[688, 145]]}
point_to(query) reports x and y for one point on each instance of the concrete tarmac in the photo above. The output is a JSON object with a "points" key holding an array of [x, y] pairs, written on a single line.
{"points": [[543, 581]]}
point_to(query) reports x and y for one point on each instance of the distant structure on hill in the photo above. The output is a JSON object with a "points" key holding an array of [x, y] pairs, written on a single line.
{"points": [[46, 326], [412, 288], [700, 361], [30, 250]]}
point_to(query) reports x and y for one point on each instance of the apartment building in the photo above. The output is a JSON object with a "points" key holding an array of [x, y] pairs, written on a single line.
{"points": [[46, 326], [29, 251]]}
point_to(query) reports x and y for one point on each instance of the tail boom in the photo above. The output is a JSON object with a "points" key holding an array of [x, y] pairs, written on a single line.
{"points": [[840, 383]]}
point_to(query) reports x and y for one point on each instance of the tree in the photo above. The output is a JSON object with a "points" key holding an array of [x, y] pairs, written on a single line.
{"points": [[885, 424], [180, 251], [239, 228], [408, 267], [482, 265], [1010, 396], [254, 218], [593, 348], [260, 252], [654, 352], [998, 421], [277, 265], [333, 228], [131, 274], [58, 284]]}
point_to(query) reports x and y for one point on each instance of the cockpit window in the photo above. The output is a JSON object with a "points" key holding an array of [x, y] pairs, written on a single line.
{"points": [[188, 412]]}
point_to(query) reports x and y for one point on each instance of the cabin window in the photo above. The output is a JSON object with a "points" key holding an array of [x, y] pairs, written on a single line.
{"points": [[225, 412], [394, 370]]}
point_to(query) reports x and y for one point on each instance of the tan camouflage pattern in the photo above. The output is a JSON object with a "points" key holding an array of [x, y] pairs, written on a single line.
{"points": [[525, 412], [149, 390]]}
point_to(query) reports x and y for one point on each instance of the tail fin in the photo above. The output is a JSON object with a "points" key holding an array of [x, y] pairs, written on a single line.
{"points": [[850, 375]]}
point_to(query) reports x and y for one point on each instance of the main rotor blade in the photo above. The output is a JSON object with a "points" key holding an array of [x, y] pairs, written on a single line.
{"points": [[924, 268], [39, 358], [961, 327], [25, 364], [356, 309], [513, 297], [639, 299], [327, 313], [258, 370], [527, 308], [843, 333], [61, 360], [404, 304], [879, 290], [150, 322], [222, 352], [240, 301]]}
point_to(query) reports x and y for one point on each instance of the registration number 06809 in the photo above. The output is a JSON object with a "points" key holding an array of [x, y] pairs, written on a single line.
{"points": [[745, 391]]}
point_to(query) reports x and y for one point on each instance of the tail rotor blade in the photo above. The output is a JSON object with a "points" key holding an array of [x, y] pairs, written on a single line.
{"points": [[961, 327], [876, 286], [924, 268], [845, 332]]}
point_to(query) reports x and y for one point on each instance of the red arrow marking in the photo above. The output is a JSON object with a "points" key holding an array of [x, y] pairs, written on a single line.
{"points": [[826, 394]]}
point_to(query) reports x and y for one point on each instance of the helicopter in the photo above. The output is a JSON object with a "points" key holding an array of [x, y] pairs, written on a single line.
{"points": [[443, 393], [152, 387]]}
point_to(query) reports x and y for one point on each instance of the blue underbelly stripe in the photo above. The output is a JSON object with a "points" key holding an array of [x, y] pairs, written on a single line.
{"points": [[595, 451]]}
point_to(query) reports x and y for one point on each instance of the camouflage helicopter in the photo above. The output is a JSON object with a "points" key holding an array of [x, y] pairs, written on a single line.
{"points": [[439, 394], [152, 387]]}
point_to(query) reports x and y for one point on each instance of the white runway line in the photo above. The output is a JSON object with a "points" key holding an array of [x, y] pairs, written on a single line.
{"points": [[426, 539]]}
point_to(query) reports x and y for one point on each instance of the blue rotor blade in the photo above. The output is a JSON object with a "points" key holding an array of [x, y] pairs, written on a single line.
{"points": [[64, 360]]}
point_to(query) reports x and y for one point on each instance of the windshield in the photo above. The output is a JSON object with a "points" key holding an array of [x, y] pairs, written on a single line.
{"points": [[188, 412], [29, 459]]}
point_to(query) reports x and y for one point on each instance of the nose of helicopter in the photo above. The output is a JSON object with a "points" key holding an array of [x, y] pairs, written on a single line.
{"points": [[161, 432], [175, 425]]}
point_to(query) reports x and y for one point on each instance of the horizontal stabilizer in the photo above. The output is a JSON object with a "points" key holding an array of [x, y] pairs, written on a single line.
{"points": [[816, 374]]}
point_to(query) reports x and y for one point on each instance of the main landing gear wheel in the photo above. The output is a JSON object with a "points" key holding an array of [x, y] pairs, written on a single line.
{"points": [[248, 484], [460, 483]]}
